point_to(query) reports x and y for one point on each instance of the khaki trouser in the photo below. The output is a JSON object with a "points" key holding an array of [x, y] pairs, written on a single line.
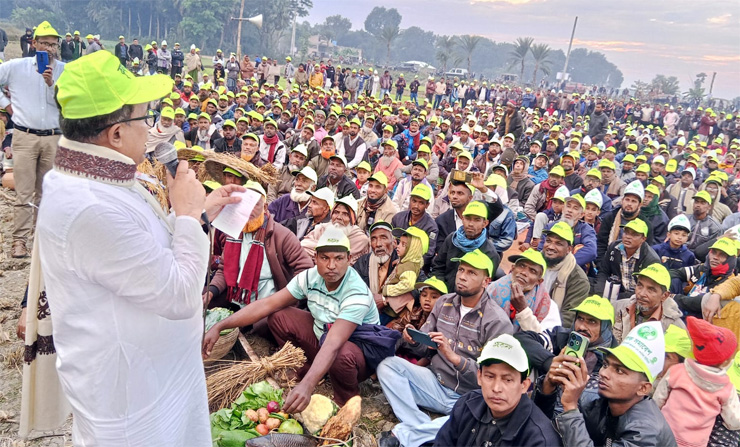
{"points": [[33, 156]]}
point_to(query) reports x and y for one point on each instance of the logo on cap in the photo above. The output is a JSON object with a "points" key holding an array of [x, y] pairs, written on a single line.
{"points": [[647, 332]]}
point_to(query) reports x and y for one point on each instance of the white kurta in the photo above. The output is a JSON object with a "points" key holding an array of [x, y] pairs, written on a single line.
{"points": [[126, 300]]}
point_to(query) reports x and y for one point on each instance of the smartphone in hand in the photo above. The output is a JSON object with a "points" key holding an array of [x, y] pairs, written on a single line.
{"points": [[422, 337], [42, 61], [577, 345]]}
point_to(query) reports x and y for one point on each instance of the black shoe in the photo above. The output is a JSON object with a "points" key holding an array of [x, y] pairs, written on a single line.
{"points": [[388, 439]]}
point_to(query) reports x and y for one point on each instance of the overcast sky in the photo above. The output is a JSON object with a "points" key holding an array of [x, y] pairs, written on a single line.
{"points": [[642, 37]]}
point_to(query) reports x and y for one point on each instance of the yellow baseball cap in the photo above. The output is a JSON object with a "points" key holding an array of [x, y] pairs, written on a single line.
{"points": [[562, 230], [725, 245], [254, 186], [734, 372], [99, 85], [677, 340], [477, 259], [45, 29], [652, 189], [704, 196], [390, 143], [424, 148], [495, 180], [629, 158], [465, 154], [598, 307], [422, 191], [414, 232], [658, 273], [578, 198], [421, 162], [379, 177], [638, 226], [434, 283], [604, 163], [643, 168], [530, 255], [476, 208], [168, 113], [558, 170], [364, 165], [594, 172]]}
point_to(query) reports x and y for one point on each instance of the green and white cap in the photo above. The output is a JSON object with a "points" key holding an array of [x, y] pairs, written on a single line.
{"points": [[594, 196], [349, 201], [643, 350], [561, 193], [635, 188], [680, 221], [507, 349], [325, 194], [333, 238], [307, 172]]}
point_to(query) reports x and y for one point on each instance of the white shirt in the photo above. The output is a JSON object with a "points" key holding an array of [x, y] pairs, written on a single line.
{"points": [[33, 101], [126, 299]]}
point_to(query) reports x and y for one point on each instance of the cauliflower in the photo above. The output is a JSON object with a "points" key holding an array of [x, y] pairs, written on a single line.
{"points": [[318, 411]]}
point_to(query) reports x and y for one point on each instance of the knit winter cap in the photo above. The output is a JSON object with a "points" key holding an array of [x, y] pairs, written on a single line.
{"points": [[712, 345]]}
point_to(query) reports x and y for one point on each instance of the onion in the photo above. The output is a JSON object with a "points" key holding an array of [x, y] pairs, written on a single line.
{"points": [[273, 407]]}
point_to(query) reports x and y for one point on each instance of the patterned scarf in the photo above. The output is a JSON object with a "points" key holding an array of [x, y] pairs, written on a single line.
{"points": [[462, 242]]}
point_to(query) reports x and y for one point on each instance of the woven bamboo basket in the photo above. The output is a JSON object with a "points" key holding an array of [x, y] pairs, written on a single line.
{"points": [[223, 345]]}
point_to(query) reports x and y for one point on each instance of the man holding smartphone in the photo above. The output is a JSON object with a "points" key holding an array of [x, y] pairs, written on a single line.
{"points": [[36, 133]]}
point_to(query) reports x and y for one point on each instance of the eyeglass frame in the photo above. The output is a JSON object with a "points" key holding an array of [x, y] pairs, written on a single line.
{"points": [[150, 114]]}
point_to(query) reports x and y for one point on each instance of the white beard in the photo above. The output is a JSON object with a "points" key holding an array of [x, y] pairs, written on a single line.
{"points": [[382, 259], [292, 168], [299, 197], [386, 161], [344, 229]]}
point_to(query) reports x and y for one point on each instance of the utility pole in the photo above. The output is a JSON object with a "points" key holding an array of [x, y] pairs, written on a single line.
{"points": [[239, 34], [292, 38], [570, 45]]}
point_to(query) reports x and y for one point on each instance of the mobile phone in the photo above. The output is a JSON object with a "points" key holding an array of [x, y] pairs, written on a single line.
{"points": [[422, 337], [42, 61], [461, 176], [577, 345]]}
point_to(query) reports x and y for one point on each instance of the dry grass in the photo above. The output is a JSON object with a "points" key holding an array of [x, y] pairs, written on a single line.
{"points": [[14, 358]]}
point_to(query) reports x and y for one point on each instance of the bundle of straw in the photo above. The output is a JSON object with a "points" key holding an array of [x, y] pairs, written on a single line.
{"points": [[225, 386]]}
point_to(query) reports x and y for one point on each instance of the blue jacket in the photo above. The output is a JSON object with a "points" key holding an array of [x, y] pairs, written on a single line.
{"points": [[583, 234], [502, 230], [674, 259], [406, 142], [540, 175]]}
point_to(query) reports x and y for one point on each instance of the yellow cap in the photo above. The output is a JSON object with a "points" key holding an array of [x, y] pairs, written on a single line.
{"points": [[734, 372], [726, 245], [422, 162], [594, 172], [168, 113], [653, 189], [658, 273], [495, 180], [530, 255], [598, 307], [391, 143], [643, 168], [561, 230], [558, 170], [334, 239], [477, 259], [379, 177], [422, 191], [704, 196], [98, 84], [45, 29], [414, 232], [364, 165], [465, 154], [434, 283], [476, 208], [658, 179], [604, 163], [578, 198], [629, 158], [677, 340], [638, 226]]}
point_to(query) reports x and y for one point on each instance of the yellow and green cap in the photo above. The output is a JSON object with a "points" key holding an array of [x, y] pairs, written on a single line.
{"points": [[594, 172], [98, 84], [658, 273], [414, 232], [643, 350], [653, 189], [333, 239], [704, 196], [364, 165], [604, 163], [167, 112], [725, 245], [390, 143], [476, 208], [734, 372], [254, 186], [558, 170], [598, 307], [44, 29], [478, 260], [211, 185], [379, 177], [422, 191], [495, 180], [643, 168], [562, 230], [677, 340], [578, 198], [629, 158], [638, 226], [530, 255], [434, 283]]}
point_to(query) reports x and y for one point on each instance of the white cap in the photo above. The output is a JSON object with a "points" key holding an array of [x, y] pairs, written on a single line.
{"points": [[681, 142], [164, 42], [635, 188], [691, 171], [465, 128], [192, 46], [308, 172], [507, 349], [586, 140], [325, 194], [348, 200], [561, 193], [340, 157], [594, 196], [301, 149], [659, 159], [643, 349], [680, 221]]}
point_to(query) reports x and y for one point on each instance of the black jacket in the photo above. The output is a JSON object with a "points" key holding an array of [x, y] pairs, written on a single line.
{"points": [[177, 58], [611, 264], [67, 50], [516, 125], [220, 145], [345, 187], [471, 424], [135, 50], [445, 226], [444, 268], [607, 221]]}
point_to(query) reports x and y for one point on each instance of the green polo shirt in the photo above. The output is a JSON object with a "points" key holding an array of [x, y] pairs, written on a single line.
{"points": [[351, 301]]}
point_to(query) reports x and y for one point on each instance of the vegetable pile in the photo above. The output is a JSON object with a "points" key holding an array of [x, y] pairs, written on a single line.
{"points": [[215, 315], [255, 413]]}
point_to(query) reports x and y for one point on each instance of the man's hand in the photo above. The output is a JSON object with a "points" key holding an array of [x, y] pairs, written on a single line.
{"points": [[210, 339], [556, 370], [573, 380], [187, 195], [21, 329], [9, 109], [207, 297], [48, 76], [379, 302], [221, 197], [478, 182], [298, 398], [406, 335], [710, 306], [518, 301], [444, 348]]}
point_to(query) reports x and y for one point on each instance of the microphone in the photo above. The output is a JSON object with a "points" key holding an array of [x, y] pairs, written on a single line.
{"points": [[166, 153]]}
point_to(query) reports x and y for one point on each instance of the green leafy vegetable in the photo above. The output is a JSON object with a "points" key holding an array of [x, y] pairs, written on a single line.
{"points": [[291, 426], [258, 396], [229, 420], [215, 315]]}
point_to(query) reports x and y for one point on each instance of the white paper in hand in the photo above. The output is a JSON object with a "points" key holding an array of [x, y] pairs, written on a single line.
{"points": [[233, 217]]}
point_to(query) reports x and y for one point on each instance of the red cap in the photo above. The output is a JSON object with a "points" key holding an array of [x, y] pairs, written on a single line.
{"points": [[712, 345]]}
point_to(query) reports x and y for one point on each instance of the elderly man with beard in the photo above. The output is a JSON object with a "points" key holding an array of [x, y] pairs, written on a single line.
{"points": [[417, 216], [318, 212], [295, 203], [164, 130], [472, 235], [336, 180], [613, 224], [389, 164], [366, 132], [540, 199], [425, 153], [584, 236], [296, 161], [353, 147], [343, 219], [376, 206], [521, 295], [304, 137], [594, 319], [272, 150], [378, 265], [452, 371]]}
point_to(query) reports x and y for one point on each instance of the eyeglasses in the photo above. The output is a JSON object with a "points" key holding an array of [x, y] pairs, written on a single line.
{"points": [[149, 119], [47, 44]]}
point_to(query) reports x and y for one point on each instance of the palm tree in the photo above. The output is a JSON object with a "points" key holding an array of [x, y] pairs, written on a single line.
{"points": [[665, 85], [387, 36], [541, 54], [445, 45], [519, 53], [467, 44]]}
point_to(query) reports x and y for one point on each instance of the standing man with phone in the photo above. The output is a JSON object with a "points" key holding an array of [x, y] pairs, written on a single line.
{"points": [[36, 132]]}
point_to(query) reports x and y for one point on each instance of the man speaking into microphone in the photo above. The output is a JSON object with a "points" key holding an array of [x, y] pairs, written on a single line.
{"points": [[123, 279]]}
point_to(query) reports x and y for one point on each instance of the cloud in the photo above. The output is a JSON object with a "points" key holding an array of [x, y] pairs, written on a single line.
{"points": [[724, 19], [724, 59], [510, 2], [620, 46]]}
